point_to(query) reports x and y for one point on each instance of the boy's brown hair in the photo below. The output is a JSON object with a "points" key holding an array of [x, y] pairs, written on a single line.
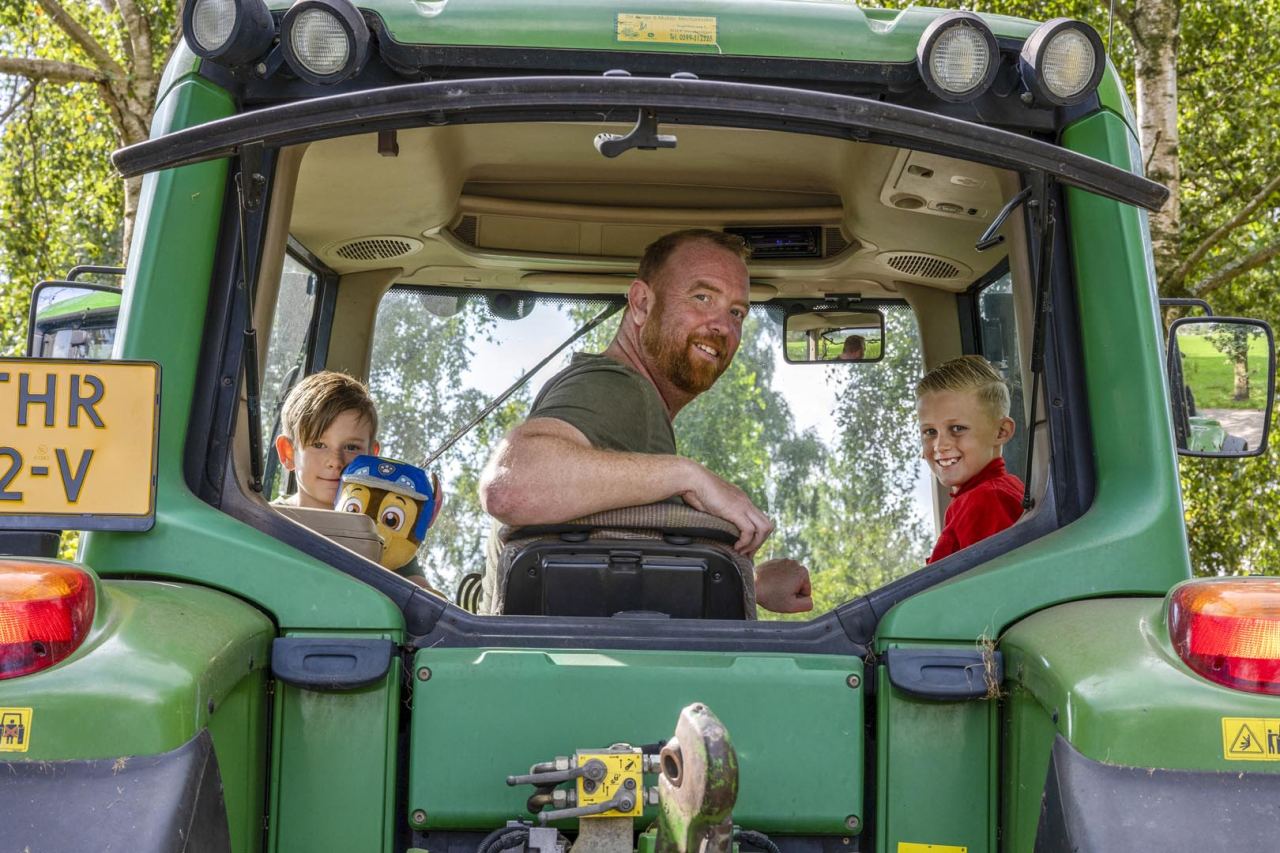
{"points": [[313, 403], [969, 374]]}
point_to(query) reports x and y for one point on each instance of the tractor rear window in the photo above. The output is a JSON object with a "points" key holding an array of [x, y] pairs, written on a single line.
{"points": [[829, 452]]}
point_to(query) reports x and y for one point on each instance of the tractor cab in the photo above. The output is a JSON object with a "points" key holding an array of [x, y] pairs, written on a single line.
{"points": [[447, 201]]}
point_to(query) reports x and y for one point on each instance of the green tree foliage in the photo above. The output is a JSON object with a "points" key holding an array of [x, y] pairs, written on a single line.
{"points": [[846, 510], [1230, 96], [423, 345], [75, 83]]}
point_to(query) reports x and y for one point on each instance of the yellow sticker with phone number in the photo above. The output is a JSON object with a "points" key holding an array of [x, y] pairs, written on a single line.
{"points": [[666, 29]]}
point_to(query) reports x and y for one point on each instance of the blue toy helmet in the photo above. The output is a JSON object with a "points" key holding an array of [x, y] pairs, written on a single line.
{"points": [[394, 476]]}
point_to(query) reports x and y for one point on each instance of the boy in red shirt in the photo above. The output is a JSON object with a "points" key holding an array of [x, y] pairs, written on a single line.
{"points": [[963, 406]]}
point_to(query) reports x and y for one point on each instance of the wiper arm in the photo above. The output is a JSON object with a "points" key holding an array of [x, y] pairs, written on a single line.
{"points": [[989, 237], [497, 401], [1045, 215]]}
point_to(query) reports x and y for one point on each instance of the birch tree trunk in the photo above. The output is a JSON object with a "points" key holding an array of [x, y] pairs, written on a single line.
{"points": [[1154, 27]]}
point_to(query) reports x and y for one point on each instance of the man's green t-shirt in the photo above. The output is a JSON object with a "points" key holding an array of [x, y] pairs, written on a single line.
{"points": [[612, 405]]}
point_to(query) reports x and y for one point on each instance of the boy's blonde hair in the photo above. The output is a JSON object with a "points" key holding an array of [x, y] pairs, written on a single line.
{"points": [[313, 404], [969, 374]]}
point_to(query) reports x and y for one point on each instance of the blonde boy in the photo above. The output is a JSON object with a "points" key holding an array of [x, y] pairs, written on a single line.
{"points": [[327, 420], [963, 407]]}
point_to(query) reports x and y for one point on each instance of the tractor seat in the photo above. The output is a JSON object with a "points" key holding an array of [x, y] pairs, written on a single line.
{"points": [[659, 560]]}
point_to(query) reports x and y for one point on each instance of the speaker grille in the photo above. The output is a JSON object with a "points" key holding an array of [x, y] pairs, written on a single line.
{"points": [[376, 248], [835, 241], [921, 266], [466, 229]]}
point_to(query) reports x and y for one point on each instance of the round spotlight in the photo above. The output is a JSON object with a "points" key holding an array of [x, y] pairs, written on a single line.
{"points": [[228, 32], [1062, 62], [958, 56], [325, 41]]}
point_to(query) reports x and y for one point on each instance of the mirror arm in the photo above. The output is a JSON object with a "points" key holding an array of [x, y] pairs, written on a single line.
{"points": [[1177, 302], [989, 237], [93, 269]]}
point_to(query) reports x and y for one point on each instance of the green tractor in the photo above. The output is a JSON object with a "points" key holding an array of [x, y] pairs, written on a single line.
{"points": [[383, 189]]}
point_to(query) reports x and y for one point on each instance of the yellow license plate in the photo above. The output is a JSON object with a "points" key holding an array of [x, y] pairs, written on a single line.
{"points": [[78, 444]]}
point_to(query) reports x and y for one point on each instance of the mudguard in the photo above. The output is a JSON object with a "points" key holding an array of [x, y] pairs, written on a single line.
{"points": [[166, 803], [1089, 805], [1110, 742]]}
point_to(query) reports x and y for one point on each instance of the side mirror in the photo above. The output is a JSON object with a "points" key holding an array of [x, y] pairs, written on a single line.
{"points": [[826, 336], [72, 319], [1221, 374]]}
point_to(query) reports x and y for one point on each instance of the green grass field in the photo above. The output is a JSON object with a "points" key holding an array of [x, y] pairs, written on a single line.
{"points": [[1209, 373]]}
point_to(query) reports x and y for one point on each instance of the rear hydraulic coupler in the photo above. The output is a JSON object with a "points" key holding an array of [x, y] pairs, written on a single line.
{"points": [[696, 790]]}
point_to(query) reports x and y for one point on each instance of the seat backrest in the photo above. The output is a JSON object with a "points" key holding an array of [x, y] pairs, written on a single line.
{"points": [[662, 559]]}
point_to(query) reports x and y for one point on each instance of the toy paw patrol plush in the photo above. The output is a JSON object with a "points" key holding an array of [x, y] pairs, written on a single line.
{"points": [[398, 497]]}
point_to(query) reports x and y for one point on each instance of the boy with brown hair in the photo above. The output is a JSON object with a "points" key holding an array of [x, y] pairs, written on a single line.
{"points": [[963, 407], [327, 420]]}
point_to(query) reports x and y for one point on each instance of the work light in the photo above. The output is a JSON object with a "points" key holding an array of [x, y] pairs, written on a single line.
{"points": [[1062, 61], [228, 32], [958, 56], [325, 41]]}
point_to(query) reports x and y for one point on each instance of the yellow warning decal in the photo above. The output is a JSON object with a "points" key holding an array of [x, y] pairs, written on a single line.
{"points": [[666, 29], [909, 847], [15, 729], [1251, 738]]}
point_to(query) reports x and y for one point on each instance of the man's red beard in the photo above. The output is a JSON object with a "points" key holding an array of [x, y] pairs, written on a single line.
{"points": [[670, 355]]}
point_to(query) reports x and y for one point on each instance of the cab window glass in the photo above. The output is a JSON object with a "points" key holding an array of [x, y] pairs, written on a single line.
{"points": [[998, 337], [830, 452], [286, 356]]}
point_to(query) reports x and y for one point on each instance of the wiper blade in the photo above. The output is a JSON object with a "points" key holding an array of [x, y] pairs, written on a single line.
{"points": [[497, 401]]}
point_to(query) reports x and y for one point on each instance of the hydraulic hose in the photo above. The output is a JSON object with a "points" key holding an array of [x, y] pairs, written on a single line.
{"points": [[756, 839]]}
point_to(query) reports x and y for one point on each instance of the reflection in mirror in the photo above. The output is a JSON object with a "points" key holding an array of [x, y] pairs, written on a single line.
{"points": [[826, 336], [1221, 375], [73, 320]]}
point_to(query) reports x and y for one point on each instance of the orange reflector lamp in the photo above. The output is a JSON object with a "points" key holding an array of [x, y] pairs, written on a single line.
{"points": [[46, 610], [1228, 630]]}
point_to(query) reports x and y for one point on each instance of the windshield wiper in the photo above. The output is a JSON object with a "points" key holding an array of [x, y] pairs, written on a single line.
{"points": [[1043, 211], [497, 401]]}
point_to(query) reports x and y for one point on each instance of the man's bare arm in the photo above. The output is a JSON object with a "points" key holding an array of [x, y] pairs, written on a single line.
{"points": [[546, 471]]}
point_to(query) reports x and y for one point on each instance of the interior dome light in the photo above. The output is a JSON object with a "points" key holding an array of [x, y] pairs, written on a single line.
{"points": [[958, 56], [1228, 630], [228, 32], [325, 41], [46, 610], [1062, 61]]}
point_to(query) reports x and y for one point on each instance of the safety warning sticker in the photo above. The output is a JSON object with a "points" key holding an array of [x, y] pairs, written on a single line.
{"points": [[666, 29], [1251, 738], [909, 847], [15, 729]]}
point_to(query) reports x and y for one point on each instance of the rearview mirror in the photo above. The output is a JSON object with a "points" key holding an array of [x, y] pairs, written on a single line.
{"points": [[828, 335], [71, 319], [1222, 385]]}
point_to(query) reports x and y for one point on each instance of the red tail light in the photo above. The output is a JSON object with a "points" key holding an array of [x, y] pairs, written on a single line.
{"points": [[45, 612], [1228, 630]]}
